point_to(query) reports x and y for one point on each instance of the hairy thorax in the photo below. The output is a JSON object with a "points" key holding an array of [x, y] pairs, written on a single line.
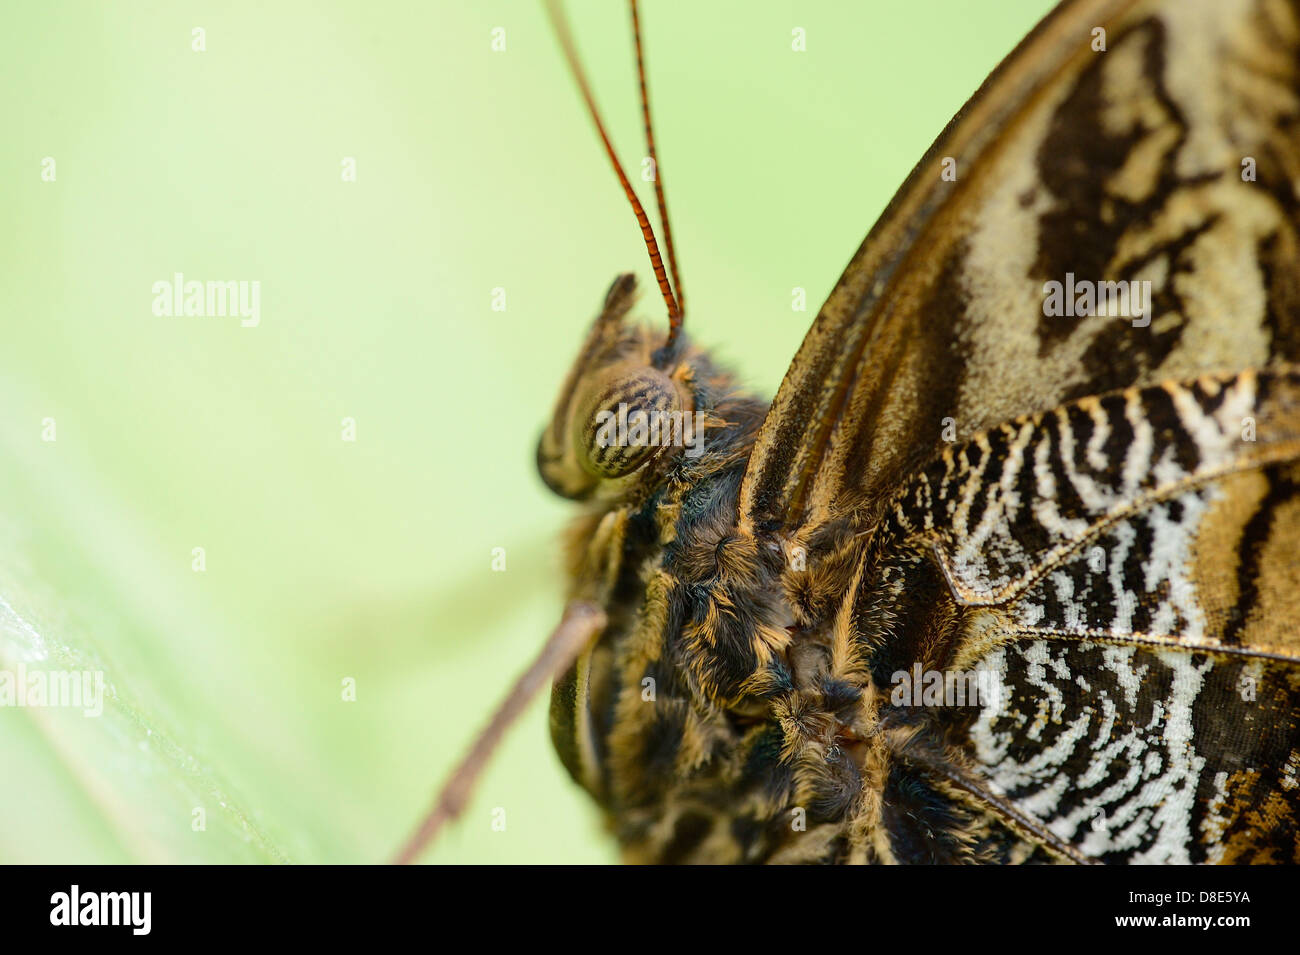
{"points": [[727, 712]]}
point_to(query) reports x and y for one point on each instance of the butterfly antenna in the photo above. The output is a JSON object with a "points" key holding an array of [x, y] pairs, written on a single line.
{"points": [[561, 27], [581, 622], [674, 328]]}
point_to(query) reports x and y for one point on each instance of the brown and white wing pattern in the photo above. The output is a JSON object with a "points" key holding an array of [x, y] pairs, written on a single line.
{"points": [[1125, 574], [1171, 156], [1095, 511]]}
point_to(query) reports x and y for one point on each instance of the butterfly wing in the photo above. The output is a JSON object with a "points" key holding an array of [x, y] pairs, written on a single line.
{"points": [[1060, 497], [1123, 573], [1169, 157]]}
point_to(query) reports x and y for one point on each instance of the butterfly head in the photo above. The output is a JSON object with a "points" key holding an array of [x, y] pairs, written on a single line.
{"points": [[626, 411]]}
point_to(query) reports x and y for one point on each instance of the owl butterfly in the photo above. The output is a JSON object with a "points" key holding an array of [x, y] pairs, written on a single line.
{"points": [[1009, 570]]}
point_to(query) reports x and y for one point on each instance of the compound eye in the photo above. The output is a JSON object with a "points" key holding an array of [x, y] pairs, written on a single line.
{"points": [[625, 418]]}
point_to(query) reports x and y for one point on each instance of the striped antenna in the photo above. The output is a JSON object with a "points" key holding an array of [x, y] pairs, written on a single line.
{"points": [[674, 329], [561, 27]]}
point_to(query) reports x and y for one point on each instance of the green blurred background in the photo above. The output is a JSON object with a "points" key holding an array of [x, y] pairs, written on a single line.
{"points": [[370, 560]]}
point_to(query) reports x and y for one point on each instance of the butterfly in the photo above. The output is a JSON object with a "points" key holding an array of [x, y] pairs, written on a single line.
{"points": [[1009, 568]]}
